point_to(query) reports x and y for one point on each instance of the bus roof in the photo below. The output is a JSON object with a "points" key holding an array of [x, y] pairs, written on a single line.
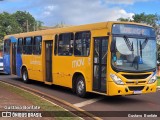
{"points": [[86, 27]]}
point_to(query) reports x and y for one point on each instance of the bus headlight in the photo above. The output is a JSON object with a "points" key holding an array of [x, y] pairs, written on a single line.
{"points": [[153, 79], [116, 79]]}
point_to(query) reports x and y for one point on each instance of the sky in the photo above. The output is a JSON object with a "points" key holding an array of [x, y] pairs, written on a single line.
{"points": [[76, 12]]}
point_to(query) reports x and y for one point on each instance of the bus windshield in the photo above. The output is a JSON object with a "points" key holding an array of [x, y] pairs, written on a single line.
{"points": [[134, 54]]}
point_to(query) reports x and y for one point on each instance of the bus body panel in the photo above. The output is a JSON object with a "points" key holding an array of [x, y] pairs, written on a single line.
{"points": [[37, 67], [6, 59], [18, 64], [63, 71], [27, 59]]}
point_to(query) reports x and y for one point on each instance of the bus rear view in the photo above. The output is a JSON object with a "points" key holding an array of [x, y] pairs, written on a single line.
{"points": [[133, 60]]}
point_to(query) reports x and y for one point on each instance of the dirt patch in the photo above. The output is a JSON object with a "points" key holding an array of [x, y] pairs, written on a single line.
{"points": [[9, 99]]}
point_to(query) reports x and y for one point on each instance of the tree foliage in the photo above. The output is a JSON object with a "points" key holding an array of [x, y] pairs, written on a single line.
{"points": [[20, 21], [24, 19], [124, 19], [8, 25], [149, 19]]}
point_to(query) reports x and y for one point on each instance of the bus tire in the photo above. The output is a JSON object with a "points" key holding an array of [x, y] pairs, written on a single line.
{"points": [[25, 75], [80, 86]]}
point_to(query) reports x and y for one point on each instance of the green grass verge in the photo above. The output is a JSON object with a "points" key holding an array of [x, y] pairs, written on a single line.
{"points": [[37, 101], [158, 81]]}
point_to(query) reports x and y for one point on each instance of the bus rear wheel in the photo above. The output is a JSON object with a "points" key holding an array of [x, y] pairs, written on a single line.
{"points": [[80, 86], [25, 75]]}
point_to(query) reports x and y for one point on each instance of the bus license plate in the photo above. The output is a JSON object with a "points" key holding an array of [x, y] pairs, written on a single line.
{"points": [[137, 92]]}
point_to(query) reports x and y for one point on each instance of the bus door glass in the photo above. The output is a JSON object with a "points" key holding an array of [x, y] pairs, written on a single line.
{"points": [[100, 64], [14, 58], [48, 60], [6, 56]]}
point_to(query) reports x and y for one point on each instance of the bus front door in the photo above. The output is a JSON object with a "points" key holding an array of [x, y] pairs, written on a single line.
{"points": [[100, 64], [13, 58], [48, 60]]}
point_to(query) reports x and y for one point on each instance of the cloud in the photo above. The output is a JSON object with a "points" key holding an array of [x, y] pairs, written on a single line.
{"points": [[128, 2], [73, 12], [49, 9], [81, 12]]}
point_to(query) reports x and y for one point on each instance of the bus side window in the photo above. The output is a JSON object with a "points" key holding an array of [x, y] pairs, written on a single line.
{"points": [[20, 46], [82, 43], [27, 48], [64, 44], [7, 46], [37, 45]]}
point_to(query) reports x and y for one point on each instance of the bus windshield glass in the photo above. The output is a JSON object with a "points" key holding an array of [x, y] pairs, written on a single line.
{"points": [[134, 53]]}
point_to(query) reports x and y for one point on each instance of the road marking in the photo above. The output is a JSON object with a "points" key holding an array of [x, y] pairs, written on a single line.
{"points": [[87, 102]]}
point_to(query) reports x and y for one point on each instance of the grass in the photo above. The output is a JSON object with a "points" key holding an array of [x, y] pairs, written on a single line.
{"points": [[43, 104], [158, 79]]}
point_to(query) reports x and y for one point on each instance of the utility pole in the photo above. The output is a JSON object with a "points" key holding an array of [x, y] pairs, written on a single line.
{"points": [[34, 26], [27, 26]]}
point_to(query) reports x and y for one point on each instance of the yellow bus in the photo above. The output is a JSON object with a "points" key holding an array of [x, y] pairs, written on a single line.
{"points": [[110, 58]]}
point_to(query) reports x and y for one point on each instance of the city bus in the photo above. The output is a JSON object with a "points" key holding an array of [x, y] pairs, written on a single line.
{"points": [[109, 58]]}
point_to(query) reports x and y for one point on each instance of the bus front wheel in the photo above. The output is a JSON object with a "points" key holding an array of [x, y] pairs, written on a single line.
{"points": [[80, 86], [25, 75]]}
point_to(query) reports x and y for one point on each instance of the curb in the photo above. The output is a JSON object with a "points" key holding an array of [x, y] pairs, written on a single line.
{"points": [[37, 93]]}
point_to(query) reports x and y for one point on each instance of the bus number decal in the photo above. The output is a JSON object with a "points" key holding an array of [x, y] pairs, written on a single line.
{"points": [[78, 63]]}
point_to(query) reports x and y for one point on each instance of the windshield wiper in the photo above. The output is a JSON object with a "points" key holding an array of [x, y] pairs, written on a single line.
{"points": [[128, 43], [144, 43]]}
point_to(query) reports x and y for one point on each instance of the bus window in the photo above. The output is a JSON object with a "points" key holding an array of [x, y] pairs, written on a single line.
{"points": [[64, 44], [37, 45], [20, 46], [55, 45], [82, 44], [7, 46], [27, 48]]}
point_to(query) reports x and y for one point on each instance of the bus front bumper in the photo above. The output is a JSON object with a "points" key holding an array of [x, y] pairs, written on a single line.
{"points": [[115, 89]]}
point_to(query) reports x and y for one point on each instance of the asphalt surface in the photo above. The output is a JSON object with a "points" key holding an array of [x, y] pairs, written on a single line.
{"points": [[119, 107]]}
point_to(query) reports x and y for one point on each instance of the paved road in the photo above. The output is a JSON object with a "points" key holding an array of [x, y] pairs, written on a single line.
{"points": [[147, 102]]}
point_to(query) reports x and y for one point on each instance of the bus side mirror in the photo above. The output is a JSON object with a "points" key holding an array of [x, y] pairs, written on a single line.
{"points": [[113, 46]]}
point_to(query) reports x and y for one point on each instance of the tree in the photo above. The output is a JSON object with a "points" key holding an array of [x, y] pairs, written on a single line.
{"points": [[25, 20], [124, 19], [8, 25], [38, 25], [16, 23], [149, 19]]}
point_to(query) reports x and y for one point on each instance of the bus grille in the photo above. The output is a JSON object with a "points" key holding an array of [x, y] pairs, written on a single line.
{"points": [[144, 76], [136, 88], [133, 82]]}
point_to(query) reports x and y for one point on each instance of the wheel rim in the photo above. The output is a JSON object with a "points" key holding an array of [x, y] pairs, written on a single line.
{"points": [[24, 75], [80, 87]]}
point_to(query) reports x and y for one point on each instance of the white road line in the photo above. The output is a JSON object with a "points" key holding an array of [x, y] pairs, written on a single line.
{"points": [[87, 102]]}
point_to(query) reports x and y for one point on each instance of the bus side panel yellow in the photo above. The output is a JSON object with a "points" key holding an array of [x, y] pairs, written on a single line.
{"points": [[27, 59], [37, 67]]}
